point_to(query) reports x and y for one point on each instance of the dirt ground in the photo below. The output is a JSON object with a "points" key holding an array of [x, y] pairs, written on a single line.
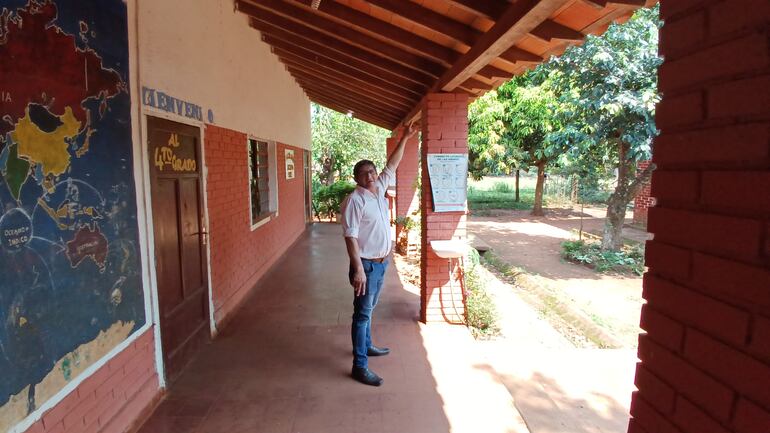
{"points": [[613, 302]]}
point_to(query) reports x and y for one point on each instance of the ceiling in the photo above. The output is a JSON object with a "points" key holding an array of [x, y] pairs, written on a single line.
{"points": [[376, 59]]}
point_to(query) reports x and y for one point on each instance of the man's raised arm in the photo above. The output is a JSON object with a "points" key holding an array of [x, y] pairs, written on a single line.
{"points": [[395, 158]]}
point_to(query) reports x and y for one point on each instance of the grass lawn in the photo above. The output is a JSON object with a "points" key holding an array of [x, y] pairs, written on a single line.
{"points": [[500, 193]]}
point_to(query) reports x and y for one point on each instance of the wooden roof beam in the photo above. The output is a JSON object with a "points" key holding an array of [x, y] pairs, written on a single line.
{"points": [[491, 72], [345, 94], [324, 80], [516, 55], [263, 9], [549, 30], [359, 106], [491, 9], [300, 35], [518, 20], [344, 79], [326, 64], [329, 58], [430, 19], [392, 33], [366, 118], [352, 104], [601, 4]]}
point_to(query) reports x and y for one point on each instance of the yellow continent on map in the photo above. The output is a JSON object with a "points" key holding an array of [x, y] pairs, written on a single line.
{"points": [[49, 149]]}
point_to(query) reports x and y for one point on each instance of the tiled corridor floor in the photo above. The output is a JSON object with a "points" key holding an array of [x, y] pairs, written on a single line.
{"points": [[283, 363]]}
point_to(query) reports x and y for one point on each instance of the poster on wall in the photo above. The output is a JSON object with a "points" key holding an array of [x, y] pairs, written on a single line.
{"points": [[448, 174], [289, 164], [71, 287]]}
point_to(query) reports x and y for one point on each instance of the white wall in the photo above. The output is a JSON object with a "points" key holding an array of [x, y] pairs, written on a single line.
{"points": [[204, 52]]}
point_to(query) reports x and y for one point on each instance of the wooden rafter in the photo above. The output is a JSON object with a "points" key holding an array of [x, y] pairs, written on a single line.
{"points": [[354, 105], [330, 58], [266, 8], [492, 72], [516, 54], [491, 9], [292, 32], [430, 19], [394, 34], [358, 115], [346, 94], [549, 30], [346, 87], [386, 89], [620, 3], [517, 21]]}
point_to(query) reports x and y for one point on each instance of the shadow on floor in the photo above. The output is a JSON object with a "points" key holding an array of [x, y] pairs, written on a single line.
{"points": [[283, 362]]}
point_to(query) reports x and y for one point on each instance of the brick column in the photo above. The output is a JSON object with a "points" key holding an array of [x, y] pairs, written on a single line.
{"points": [[643, 200], [444, 130], [706, 352]]}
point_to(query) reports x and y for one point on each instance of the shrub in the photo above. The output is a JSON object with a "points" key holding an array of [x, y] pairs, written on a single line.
{"points": [[480, 312], [629, 260], [327, 199]]}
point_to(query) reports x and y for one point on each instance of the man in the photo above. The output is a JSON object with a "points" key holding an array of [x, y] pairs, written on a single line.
{"points": [[367, 238]]}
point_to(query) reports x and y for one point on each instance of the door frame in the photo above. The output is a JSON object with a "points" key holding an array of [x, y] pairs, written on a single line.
{"points": [[146, 113]]}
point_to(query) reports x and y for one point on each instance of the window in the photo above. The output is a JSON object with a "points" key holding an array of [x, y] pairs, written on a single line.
{"points": [[262, 181]]}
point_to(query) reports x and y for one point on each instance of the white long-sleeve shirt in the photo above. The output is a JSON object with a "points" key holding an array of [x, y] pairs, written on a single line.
{"points": [[365, 217]]}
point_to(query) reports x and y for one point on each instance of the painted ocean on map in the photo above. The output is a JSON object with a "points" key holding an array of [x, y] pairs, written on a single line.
{"points": [[70, 284]]}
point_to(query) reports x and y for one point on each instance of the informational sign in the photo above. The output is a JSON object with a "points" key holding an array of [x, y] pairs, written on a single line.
{"points": [[289, 164], [448, 180]]}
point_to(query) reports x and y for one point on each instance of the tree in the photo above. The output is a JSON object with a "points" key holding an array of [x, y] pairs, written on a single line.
{"points": [[530, 120], [609, 90], [340, 141]]}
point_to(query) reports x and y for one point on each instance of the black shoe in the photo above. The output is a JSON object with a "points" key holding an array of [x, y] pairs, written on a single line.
{"points": [[366, 376], [377, 351]]}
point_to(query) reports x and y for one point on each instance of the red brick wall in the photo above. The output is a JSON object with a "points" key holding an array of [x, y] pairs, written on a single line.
{"points": [[706, 352], [444, 130], [240, 256], [643, 200], [113, 399]]}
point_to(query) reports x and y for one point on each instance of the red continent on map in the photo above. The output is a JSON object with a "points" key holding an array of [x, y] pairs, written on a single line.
{"points": [[41, 64], [88, 243]]}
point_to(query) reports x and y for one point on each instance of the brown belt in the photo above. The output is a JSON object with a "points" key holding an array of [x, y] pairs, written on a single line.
{"points": [[380, 260]]}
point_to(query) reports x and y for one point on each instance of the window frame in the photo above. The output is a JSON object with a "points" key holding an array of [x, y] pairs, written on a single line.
{"points": [[272, 183]]}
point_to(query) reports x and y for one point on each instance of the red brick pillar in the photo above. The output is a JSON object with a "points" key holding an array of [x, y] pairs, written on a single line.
{"points": [[643, 200], [706, 352], [407, 198], [444, 130]]}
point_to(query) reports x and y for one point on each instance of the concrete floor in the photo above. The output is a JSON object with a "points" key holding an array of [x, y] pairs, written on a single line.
{"points": [[283, 363]]}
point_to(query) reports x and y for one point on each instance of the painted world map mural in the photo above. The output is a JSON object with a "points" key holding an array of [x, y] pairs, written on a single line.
{"points": [[70, 272]]}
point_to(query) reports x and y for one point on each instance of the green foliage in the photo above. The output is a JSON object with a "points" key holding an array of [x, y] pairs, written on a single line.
{"points": [[406, 222], [327, 199], [504, 198], [480, 312], [340, 141], [628, 260]]}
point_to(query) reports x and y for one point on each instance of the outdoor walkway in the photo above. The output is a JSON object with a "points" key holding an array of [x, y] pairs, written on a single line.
{"points": [[283, 363]]}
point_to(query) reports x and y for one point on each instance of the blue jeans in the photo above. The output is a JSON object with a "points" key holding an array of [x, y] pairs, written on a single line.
{"points": [[363, 307]]}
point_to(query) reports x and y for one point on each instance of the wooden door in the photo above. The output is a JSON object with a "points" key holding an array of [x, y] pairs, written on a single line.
{"points": [[180, 240]]}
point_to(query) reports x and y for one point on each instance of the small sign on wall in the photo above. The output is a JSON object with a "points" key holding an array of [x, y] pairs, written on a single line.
{"points": [[289, 164]]}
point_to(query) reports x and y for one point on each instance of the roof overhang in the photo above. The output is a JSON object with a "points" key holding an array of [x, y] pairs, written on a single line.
{"points": [[377, 59]]}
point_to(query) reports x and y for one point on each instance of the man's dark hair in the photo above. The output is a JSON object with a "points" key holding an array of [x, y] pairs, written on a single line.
{"points": [[361, 164]]}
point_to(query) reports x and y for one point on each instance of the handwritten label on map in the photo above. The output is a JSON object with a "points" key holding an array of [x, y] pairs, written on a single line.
{"points": [[166, 156], [448, 181]]}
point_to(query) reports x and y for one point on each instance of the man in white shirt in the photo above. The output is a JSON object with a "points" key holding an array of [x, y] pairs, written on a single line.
{"points": [[367, 238]]}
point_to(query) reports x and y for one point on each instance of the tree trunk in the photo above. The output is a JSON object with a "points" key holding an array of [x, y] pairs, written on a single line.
{"points": [[537, 209], [518, 199], [627, 188], [575, 186]]}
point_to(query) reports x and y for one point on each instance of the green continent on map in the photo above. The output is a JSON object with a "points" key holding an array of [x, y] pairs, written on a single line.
{"points": [[49, 149], [16, 171]]}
